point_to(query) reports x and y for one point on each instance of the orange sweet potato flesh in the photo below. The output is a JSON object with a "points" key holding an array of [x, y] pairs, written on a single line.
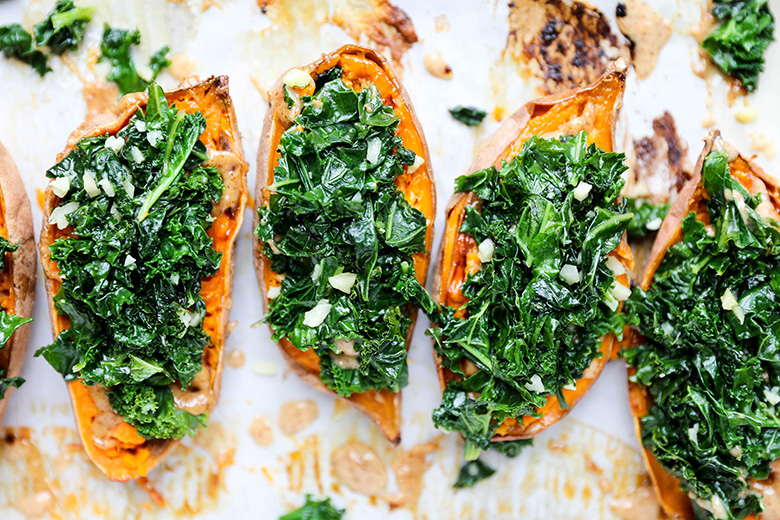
{"points": [[692, 197], [361, 67], [128, 456], [593, 109]]}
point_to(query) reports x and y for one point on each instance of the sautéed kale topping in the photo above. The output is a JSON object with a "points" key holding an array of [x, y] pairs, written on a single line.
{"points": [[543, 297], [711, 354], [116, 48], [8, 322], [131, 285], [469, 116], [315, 510], [471, 472], [737, 45], [343, 236], [63, 29], [647, 216]]}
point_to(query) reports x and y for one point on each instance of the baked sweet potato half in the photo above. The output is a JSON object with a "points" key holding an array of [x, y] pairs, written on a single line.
{"points": [[17, 275], [346, 205], [138, 249], [703, 376], [532, 268]]}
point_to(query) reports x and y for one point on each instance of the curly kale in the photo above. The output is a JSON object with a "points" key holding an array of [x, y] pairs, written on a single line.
{"points": [[9, 323], [63, 29], [137, 207], [737, 45], [340, 231], [540, 304], [116, 48], [711, 354]]}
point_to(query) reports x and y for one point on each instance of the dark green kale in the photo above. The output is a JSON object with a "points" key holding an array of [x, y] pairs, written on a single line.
{"points": [[152, 411], [131, 285], [63, 29], [647, 216], [471, 472], [17, 43], [116, 48], [711, 353], [543, 298], [737, 45], [315, 510], [8, 322], [343, 235], [470, 116]]}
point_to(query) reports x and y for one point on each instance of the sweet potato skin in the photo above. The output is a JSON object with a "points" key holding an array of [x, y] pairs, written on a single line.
{"points": [[17, 216], [383, 407], [223, 142], [673, 501], [529, 120]]}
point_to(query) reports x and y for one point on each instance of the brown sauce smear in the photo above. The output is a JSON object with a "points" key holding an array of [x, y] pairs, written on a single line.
{"points": [[358, 466], [295, 416]]}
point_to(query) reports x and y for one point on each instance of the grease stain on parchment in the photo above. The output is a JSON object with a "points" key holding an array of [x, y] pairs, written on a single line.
{"points": [[46, 473]]}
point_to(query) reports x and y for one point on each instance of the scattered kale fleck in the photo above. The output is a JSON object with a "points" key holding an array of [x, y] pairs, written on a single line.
{"points": [[511, 448], [471, 472], [8, 322], [647, 216], [131, 286], [17, 43], [737, 45], [470, 116], [63, 29], [342, 234], [116, 48], [711, 353], [527, 330], [315, 510]]}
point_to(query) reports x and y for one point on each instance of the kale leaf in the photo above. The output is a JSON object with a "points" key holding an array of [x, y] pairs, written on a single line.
{"points": [[470, 116], [737, 45], [340, 231], [116, 47], [63, 29], [17, 43], [315, 510], [647, 216], [711, 354], [131, 287], [471, 472], [511, 448], [152, 411], [527, 330], [8, 322]]}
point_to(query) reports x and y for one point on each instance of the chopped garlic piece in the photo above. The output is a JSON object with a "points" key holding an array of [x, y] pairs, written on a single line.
{"points": [[274, 292], [373, 149], [137, 155], [90, 186], [129, 261], [297, 78], [485, 250], [343, 282], [60, 186], [108, 188], [620, 292], [115, 143], [655, 224], [571, 274], [535, 385], [59, 214], [315, 274], [140, 126], [772, 396], [314, 317], [264, 368], [728, 301], [614, 265], [418, 161], [582, 190]]}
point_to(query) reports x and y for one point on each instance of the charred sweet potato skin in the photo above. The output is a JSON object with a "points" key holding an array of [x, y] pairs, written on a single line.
{"points": [[133, 456], [593, 109], [361, 66]]}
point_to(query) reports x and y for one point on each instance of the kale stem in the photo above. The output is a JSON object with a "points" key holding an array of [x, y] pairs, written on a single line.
{"points": [[169, 173]]}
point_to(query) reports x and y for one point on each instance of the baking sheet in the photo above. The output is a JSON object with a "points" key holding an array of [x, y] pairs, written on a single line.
{"points": [[575, 469]]}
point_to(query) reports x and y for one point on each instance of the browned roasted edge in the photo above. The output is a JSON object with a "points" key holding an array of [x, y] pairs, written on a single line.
{"points": [[263, 157], [112, 121], [18, 219]]}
